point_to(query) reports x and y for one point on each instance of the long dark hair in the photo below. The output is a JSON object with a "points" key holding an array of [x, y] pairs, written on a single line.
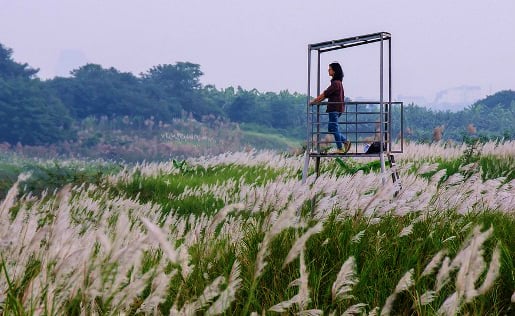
{"points": [[338, 72]]}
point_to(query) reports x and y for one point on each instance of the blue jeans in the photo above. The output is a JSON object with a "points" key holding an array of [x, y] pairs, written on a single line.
{"points": [[333, 127]]}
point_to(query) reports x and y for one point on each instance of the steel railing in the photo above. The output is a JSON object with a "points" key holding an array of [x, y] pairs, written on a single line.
{"points": [[362, 123]]}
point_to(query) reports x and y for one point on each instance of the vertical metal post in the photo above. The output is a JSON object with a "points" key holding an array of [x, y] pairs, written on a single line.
{"points": [[355, 126], [309, 118], [309, 123], [389, 94], [317, 161], [318, 106], [318, 72], [381, 104], [402, 127]]}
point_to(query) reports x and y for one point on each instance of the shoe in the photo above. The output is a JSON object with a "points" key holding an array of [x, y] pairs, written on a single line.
{"points": [[346, 146], [336, 151]]}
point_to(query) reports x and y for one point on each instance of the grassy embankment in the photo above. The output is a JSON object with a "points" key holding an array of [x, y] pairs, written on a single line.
{"points": [[239, 233]]}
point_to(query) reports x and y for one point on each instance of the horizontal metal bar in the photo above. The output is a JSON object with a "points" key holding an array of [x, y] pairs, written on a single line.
{"points": [[351, 113], [372, 102], [351, 40], [349, 123], [357, 103], [343, 155], [354, 142], [349, 45]]}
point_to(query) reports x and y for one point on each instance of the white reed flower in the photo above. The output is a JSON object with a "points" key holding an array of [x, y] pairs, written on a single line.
{"points": [[471, 263], [433, 264], [356, 309], [300, 243], [451, 305], [357, 238], [427, 298], [442, 277], [426, 168], [158, 235], [103, 241], [294, 283], [157, 295], [210, 293], [435, 179], [345, 280], [324, 207], [448, 239], [493, 271], [454, 179], [404, 283], [10, 198], [186, 310], [303, 287], [466, 227], [375, 220], [228, 295], [286, 219], [374, 311], [302, 298], [184, 260], [406, 231], [387, 308], [311, 312], [220, 216], [260, 257], [284, 306], [126, 295]]}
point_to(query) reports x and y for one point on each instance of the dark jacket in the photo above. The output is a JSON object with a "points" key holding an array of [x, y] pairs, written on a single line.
{"points": [[334, 93]]}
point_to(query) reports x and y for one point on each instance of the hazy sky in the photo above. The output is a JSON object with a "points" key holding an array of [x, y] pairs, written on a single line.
{"points": [[443, 50]]}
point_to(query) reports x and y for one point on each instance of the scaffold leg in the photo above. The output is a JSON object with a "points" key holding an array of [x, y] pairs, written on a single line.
{"points": [[317, 166], [395, 174], [306, 167], [381, 160]]}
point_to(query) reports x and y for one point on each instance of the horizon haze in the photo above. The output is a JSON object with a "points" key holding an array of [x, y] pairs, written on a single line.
{"points": [[445, 55]]}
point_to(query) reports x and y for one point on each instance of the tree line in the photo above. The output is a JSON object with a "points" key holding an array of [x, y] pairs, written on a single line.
{"points": [[38, 112]]}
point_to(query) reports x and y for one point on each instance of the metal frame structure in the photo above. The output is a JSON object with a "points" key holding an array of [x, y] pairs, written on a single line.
{"points": [[362, 117]]}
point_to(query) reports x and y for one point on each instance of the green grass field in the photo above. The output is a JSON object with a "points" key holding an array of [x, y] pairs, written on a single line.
{"points": [[240, 234]]}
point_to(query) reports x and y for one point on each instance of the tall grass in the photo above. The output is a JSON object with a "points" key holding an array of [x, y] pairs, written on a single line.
{"points": [[239, 233]]}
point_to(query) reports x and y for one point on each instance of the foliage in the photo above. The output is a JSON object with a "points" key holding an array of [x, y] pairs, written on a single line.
{"points": [[350, 166], [46, 177], [10, 69], [29, 114], [166, 190], [490, 118]]}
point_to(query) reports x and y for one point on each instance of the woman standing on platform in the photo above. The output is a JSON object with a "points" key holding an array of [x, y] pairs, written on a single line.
{"points": [[335, 107]]}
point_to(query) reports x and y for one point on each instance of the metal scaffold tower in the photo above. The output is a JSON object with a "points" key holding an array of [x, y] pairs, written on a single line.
{"points": [[367, 124]]}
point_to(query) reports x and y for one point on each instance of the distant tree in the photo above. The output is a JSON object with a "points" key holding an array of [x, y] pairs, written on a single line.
{"points": [[180, 84], [216, 100], [95, 91], [30, 115], [288, 112], [180, 78], [244, 107], [502, 98], [10, 69]]}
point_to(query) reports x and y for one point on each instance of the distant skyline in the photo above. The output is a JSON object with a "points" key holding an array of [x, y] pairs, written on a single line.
{"points": [[445, 53]]}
